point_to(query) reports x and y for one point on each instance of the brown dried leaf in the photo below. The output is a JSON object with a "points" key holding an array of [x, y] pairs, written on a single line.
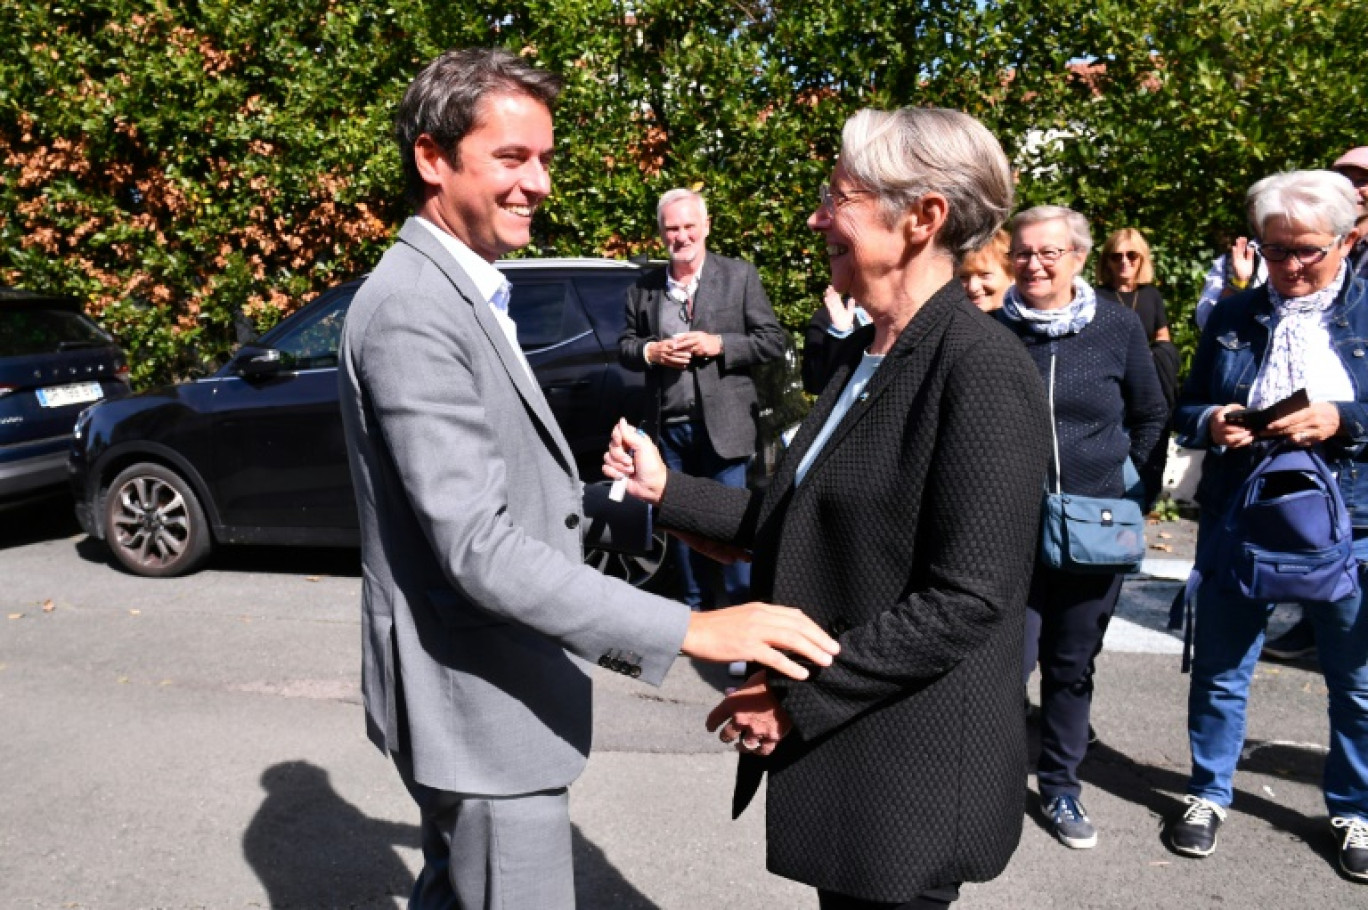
{"points": [[313, 577], [49, 606], [16, 616]]}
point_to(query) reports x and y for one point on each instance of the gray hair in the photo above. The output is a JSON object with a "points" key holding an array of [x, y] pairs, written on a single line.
{"points": [[1312, 199], [444, 102], [902, 155], [673, 196], [1080, 235]]}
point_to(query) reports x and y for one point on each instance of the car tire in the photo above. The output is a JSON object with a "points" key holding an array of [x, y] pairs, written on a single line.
{"points": [[637, 571], [153, 522]]}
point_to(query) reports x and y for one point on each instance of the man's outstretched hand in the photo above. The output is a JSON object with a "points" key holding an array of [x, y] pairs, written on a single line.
{"points": [[762, 633]]}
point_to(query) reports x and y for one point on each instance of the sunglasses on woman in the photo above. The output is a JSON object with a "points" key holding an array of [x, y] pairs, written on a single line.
{"points": [[1130, 255]]}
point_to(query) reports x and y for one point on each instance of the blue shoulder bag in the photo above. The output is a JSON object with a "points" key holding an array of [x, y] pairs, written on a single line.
{"points": [[1091, 534]]}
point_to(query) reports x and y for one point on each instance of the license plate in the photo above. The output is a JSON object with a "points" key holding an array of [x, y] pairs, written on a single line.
{"points": [[59, 396]]}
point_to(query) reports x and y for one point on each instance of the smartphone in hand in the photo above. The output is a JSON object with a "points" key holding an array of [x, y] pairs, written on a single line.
{"points": [[1256, 421]]}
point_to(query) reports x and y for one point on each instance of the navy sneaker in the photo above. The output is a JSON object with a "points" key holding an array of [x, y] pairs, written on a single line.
{"points": [[1194, 834], [1352, 834], [1069, 822]]}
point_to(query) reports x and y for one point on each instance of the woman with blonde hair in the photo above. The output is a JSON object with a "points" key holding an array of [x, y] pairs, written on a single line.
{"points": [[1125, 274]]}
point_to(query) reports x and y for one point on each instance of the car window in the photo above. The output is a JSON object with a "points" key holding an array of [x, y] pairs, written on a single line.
{"points": [[312, 342], [546, 312], [606, 295], [28, 331]]}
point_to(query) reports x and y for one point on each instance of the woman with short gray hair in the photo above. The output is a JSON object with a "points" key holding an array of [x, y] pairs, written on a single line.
{"points": [[1108, 413], [902, 519], [1303, 330]]}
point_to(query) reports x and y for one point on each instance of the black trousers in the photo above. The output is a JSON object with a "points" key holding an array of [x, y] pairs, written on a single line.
{"points": [[1066, 617], [933, 899]]}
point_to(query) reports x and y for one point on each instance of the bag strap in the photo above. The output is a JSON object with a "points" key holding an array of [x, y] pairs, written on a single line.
{"points": [[1130, 477], [1054, 432]]}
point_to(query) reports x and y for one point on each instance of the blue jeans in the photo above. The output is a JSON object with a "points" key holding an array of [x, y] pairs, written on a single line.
{"points": [[1226, 644], [687, 449]]}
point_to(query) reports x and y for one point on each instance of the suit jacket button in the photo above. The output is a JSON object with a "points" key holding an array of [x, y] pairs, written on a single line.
{"points": [[572, 521]]}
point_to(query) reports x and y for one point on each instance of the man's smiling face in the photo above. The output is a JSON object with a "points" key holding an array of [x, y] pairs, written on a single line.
{"points": [[486, 198]]}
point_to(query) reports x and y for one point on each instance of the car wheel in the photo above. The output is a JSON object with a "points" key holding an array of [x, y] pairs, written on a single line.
{"points": [[154, 523], [637, 571]]}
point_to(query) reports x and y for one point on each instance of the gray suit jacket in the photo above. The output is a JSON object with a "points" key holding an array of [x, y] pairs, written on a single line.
{"points": [[729, 302], [478, 615]]}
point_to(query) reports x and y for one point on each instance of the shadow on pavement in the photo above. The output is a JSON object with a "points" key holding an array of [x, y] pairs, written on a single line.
{"points": [[1160, 790], [339, 562], [311, 848], [48, 517], [599, 884]]}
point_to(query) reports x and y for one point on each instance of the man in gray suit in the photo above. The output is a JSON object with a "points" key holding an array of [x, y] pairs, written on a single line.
{"points": [[479, 620], [697, 327]]}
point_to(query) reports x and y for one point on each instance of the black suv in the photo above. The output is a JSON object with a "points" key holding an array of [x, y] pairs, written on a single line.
{"points": [[54, 361], [255, 454]]}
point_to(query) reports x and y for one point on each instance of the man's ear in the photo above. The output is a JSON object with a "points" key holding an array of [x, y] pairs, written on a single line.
{"points": [[431, 160]]}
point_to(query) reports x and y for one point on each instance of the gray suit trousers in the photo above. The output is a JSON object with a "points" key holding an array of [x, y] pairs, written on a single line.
{"points": [[492, 852]]}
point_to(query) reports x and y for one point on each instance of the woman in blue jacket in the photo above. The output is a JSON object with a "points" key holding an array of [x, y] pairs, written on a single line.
{"points": [[1306, 329]]}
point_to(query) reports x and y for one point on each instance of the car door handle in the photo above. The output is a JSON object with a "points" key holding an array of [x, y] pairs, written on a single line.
{"points": [[566, 388]]}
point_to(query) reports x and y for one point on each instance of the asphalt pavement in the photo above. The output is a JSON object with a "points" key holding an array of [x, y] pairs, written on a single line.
{"points": [[199, 743]]}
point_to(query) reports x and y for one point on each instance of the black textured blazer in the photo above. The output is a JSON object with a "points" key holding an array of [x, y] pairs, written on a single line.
{"points": [[911, 539]]}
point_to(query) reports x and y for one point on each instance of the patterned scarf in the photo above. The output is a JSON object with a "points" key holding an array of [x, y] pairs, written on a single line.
{"points": [[1284, 366], [1066, 320]]}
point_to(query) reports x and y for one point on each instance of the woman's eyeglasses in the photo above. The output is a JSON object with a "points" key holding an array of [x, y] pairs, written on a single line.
{"points": [[1047, 256], [1306, 255], [831, 198], [1128, 255]]}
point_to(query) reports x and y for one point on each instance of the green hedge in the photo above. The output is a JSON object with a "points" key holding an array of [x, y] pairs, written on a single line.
{"points": [[198, 170]]}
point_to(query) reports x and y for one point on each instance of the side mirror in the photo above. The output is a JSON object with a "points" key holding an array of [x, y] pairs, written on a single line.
{"points": [[253, 362]]}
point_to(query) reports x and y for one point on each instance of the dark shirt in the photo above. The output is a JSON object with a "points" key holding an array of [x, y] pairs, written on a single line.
{"points": [[819, 348], [1147, 303], [1107, 402]]}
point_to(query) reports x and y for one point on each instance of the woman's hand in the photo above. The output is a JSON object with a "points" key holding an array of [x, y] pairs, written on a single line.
{"points": [[1228, 434], [1315, 423], [842, 315], [750, 717], [1242, 262], [632, 456]]}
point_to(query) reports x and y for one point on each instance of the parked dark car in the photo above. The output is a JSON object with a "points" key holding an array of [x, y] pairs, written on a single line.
{"points": [[254, 454], [54, 361]]}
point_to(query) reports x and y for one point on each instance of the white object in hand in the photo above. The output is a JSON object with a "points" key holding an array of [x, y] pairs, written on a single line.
{"points": [[619, 487]]}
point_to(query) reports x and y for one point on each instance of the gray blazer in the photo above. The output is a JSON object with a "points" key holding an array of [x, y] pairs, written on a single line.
{"points": [[729, 302], [478, 615]]}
